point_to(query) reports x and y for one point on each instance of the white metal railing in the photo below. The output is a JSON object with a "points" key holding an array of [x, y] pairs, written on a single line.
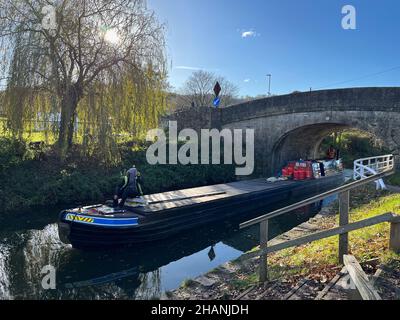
{"points": [[366, 167]]}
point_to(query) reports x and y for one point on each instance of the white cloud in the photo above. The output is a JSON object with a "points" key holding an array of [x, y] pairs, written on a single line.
{"points": [[246, 80], [249, 33], [188, 68]]}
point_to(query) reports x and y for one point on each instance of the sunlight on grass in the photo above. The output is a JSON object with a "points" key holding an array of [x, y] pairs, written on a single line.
{"points": [[319, 256]]}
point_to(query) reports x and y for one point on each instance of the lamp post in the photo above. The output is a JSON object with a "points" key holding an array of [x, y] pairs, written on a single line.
{"points": [[269, 84]]}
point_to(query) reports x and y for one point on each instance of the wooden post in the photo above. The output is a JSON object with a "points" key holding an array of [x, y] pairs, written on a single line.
{"points": [[263, 244], [344, 199], [394, 242], [361, 281]]}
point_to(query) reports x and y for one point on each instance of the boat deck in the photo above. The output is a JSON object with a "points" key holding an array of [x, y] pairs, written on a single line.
{"points": [[168, 213], [159, 202]]}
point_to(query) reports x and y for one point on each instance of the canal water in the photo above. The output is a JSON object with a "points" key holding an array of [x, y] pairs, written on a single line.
{"points": [[28, 242]]}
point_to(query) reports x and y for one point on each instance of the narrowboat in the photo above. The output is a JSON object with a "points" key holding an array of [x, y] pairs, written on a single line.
{"points": [[161, 215]]}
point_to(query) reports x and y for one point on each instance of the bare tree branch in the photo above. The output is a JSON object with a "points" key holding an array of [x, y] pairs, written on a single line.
{"points": [[198, 90]]}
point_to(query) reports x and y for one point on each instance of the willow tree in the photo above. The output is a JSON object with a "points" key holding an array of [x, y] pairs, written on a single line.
{"points": [[101, 61]]}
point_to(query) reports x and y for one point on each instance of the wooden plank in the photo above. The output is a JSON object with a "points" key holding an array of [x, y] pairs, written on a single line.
{"points": [[376, 276], [394, 242], [245, 293], [263, 244], [188, 197], [295, 289], [314, 199], [331, 283], [168, 200], [344, 199], [322, 234], [396, 218], [265, 292], [360, 279]]}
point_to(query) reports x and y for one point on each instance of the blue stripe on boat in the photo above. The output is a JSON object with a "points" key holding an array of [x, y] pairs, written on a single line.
{"points": [[107, 222]]}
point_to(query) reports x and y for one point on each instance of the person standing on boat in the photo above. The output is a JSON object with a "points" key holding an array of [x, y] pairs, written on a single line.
{"points": [[331, 153], [129, 188]]}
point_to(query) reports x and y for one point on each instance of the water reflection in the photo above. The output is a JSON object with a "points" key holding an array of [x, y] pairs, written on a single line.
{"points": [[42, 248], [137, 272], [4, 274]]}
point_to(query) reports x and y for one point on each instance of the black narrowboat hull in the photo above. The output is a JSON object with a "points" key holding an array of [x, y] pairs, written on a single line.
{"points": [[138, 226]]}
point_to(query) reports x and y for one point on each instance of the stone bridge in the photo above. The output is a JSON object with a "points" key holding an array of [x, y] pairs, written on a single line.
{"points": [[294, 125]]}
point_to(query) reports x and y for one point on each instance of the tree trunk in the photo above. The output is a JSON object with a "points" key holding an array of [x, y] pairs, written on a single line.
{"points": [[69, 103]]}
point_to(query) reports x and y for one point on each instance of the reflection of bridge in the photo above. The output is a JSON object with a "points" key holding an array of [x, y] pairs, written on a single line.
{"points": [[294, 125]]}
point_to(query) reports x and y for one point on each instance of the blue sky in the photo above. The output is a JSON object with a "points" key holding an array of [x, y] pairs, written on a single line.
{"points": [[300, 42]]}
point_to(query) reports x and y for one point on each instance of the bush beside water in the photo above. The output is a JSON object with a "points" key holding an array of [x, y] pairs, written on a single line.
{"points": [[27, 182], [353, 145], [29, 179]]}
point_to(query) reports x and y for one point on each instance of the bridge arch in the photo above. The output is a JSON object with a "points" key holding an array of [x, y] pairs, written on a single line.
{"points": [[303, 142], [286, 124], [283, 137]]}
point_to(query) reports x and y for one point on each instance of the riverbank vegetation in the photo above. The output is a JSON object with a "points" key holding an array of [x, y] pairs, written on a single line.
{"points": [[318, 260], [87, 78], [32, 178], [77, 100], [354, 144], [394, 179]]}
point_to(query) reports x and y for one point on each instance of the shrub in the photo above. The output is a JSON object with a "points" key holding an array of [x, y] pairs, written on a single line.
{"points": [[353, 145], [85, 181], [12, 152]]}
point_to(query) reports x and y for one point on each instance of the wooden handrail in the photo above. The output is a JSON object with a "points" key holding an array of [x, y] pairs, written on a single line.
{"points": [[386, 217], [343, 229], [316, 198]]}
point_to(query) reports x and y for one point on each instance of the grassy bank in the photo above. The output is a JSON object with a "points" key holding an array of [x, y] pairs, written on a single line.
{"points": [[354, 144], [27, 182], [394, 179], [318, 260]]}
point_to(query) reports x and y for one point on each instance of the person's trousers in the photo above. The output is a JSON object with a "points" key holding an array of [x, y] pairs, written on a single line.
{"points": [[124, 194]]}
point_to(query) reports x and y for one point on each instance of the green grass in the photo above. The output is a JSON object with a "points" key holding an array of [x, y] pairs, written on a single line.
{"points": [[187, 283], [244, 282], [26, 183], [321, 257], [39, 136], [354, 144], [394, 179]]}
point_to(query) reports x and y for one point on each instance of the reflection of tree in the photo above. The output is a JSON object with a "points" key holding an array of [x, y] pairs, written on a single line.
{"points": [[142, 286], [150, 285], [42, 248], [4, 273], [129, 273]]}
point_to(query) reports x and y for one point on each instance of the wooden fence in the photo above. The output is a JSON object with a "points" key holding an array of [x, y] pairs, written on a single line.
{"points": [[343, 230]]}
